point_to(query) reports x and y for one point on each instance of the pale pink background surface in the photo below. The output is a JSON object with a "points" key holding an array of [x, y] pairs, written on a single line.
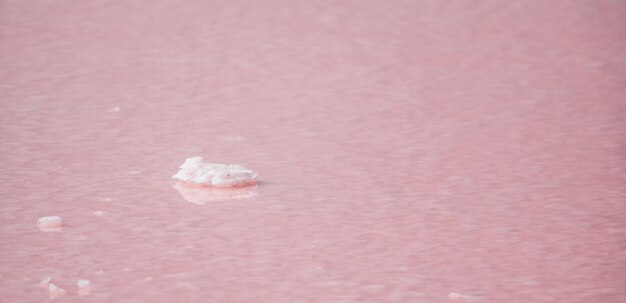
{"points": [[406, 149]]}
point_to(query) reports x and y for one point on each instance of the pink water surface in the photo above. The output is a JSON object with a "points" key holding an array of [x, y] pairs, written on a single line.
{"points": [[405, 150]]}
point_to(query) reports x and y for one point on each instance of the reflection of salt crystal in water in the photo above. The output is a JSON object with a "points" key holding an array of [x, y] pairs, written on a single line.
{"points": [[50, 224], [84, 287], [55, 291], [201, 194], [457, 296], [218, 175], [45, 282], [185, 285], [233, 138]]}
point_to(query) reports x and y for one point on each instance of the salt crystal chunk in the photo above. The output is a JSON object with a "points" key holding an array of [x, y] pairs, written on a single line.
{"points": [[83, 283], [51, 223], [55, 291], [84, 287], [218, 175], [45, 282], [98, 213]]}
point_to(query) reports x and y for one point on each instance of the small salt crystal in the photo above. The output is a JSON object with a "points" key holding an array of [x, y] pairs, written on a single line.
{"points": [[98, 213], [45, 282], [51, 223], [82, 283], [197, 171], [84, 287], [55, 291]]}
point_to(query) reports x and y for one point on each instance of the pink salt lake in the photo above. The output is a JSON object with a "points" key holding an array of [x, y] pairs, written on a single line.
{"points": [[407, 151]]}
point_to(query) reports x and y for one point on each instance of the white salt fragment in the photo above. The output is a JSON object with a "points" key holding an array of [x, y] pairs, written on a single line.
{"points": [[98, 213], [82, 283], [84, 287], [50, 224], [55, 291], [114, 109], [218, 175], [45, 282], [50, 221]]}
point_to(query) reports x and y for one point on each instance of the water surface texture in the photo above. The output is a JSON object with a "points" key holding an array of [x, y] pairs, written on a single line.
{"points": [[405, 150]]}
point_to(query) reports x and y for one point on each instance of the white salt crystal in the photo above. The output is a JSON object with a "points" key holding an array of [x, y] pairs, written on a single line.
{"points": [[50, 224], [45, 282], [84, 287], [51, 221], [219, 175], [83, 283], [55, 291]]}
